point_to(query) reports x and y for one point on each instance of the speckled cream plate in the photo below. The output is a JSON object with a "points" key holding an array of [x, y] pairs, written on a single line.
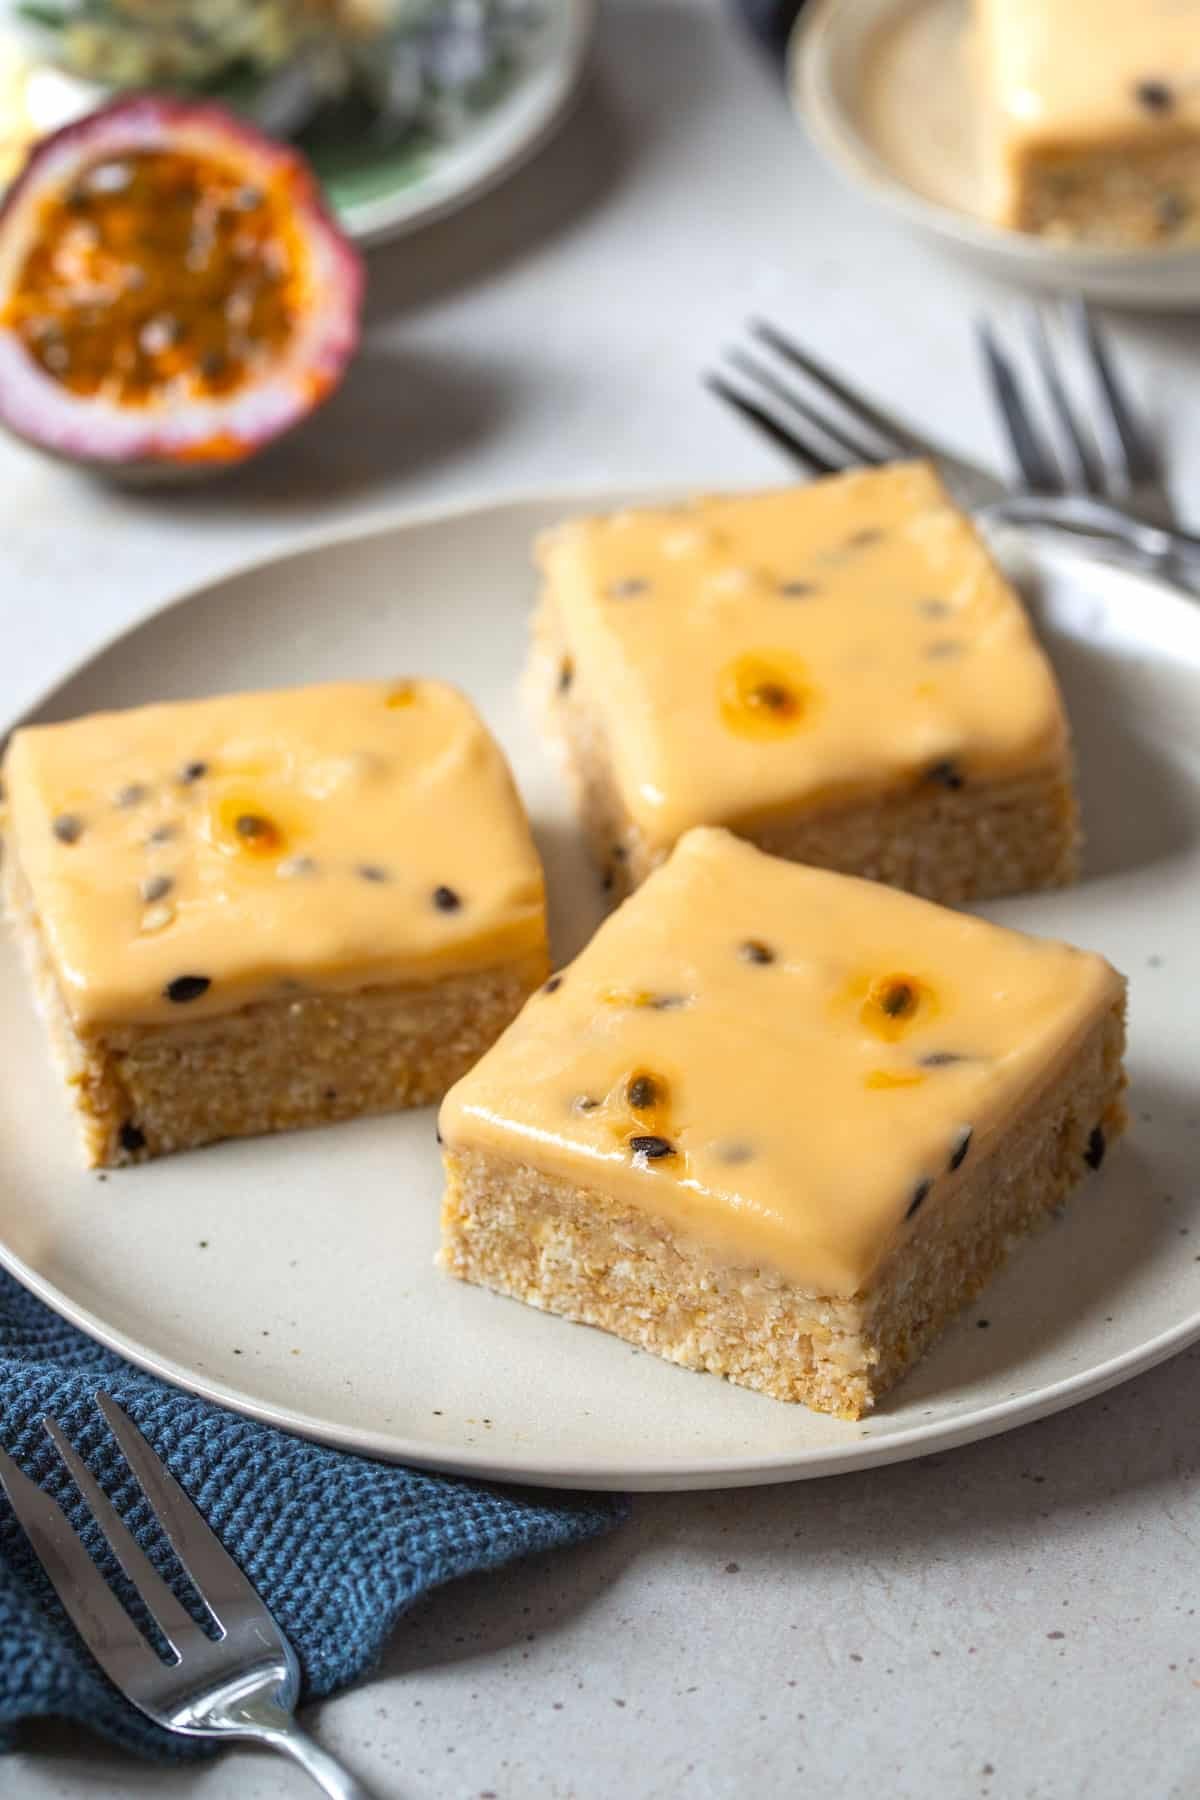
{"points": [[292, 1278]]}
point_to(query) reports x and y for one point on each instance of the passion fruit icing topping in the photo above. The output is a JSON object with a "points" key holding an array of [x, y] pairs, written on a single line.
{"points": [[217, 853], [172, 290]]}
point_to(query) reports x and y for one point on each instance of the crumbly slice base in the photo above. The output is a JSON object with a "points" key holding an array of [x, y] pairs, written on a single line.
{"points": [[1121, 196], [279, 1065], [948, 843], [576, 1252]]}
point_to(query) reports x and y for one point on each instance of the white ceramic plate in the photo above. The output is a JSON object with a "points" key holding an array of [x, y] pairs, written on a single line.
{"points": [[293, 1278], [381, 193], [914, 148]]}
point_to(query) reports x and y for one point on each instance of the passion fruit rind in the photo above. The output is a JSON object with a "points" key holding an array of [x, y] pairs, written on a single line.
{"points": [[167, 431]]}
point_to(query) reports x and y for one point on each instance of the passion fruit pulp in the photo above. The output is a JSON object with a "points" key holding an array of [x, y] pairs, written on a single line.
{"points": [[174, 294]]}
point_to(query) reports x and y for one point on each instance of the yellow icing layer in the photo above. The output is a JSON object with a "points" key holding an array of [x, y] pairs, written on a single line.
{"points": [[1080, 72], [810, 1049], [764, 653], [341, 837]]}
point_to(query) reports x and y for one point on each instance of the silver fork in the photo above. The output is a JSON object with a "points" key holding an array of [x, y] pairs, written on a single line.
{"points": [[243, 1683], [824, 423], [1116, 458]]}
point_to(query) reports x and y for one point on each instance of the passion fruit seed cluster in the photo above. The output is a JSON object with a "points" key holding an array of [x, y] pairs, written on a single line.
{"points": [[155, 272], [648, 1098], [640, 1105], [765, 694]]}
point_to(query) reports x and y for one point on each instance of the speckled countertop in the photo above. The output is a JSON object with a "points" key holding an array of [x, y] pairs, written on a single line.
{"points": [[1016, 1619]]}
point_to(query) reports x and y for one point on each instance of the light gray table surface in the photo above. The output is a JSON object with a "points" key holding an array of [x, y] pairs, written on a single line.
{"points": [[1013, 1619]]}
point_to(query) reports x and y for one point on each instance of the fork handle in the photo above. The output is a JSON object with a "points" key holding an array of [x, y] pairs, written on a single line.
{"points": [[290, 1739], [1161, 546]]}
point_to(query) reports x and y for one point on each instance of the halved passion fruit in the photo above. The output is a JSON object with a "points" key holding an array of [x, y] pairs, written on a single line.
{"points": [[173, 292]]}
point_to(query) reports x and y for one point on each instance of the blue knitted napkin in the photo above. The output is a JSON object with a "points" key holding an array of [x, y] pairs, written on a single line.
{"points": [[338, 1546]]}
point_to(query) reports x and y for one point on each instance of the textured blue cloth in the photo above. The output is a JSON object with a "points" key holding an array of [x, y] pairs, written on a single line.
{"points": [[338, 1546]]}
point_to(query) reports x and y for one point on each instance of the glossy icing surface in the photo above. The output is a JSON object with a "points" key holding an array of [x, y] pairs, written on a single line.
{"points": [[761, 653], [1075, 71], [191, 857], [783, 1062]]}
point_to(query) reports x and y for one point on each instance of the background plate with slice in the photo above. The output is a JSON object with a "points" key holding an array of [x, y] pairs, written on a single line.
{"points": [[885, 90], [292, 1278]]}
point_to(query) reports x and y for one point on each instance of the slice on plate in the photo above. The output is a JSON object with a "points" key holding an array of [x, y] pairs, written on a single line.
{"points": [[269, 910], [1091, 115], [780, 1124], [838, 672]]}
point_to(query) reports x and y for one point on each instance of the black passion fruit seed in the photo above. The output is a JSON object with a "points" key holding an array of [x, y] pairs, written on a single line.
{"points": [[947, 774], [919, 1196], [755, 951], [654, 1148], [642, 1092], [1154, 96], [186, 987]]}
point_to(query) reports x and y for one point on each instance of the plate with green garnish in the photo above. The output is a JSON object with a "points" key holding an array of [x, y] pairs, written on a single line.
{"points": [[407, 108]]}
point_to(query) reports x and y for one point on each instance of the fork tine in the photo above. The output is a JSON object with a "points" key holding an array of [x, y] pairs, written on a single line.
{"points": [[176, 1624], [1084, 467], [215, 1575], [94, 1610], [1128, 449], [1035, 461], [761, 419], [857, 451], [895, 439]]}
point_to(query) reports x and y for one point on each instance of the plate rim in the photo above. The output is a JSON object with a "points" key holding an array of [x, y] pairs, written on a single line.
{"points": [[843, 147], [545, 1470], [383, 219]]}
